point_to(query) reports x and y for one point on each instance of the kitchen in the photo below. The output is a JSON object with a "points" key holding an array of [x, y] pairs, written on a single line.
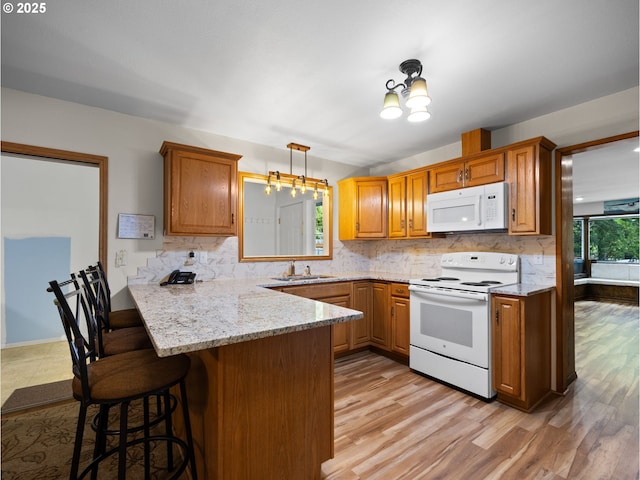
{"points": [[134, 161]]}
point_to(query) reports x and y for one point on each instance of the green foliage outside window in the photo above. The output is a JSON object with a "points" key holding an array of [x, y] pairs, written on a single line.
{"points": [[613, 238]]}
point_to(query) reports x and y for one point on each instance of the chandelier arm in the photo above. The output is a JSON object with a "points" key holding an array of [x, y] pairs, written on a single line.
{"points": [[394, 85]]}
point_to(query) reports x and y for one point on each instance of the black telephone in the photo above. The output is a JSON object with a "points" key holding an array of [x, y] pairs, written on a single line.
{"points": [[177, 277]]}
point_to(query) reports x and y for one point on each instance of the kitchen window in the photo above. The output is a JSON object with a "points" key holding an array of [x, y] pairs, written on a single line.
{"points": [[605, 239]]}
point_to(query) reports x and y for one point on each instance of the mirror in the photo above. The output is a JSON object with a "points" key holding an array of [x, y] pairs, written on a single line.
{"points": [[278, 227]]}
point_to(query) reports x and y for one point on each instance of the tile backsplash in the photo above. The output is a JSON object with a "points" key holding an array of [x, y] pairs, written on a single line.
{"points": [[217, 257]]}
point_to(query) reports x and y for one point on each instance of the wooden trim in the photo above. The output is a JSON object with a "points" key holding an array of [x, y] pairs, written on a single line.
{"points": [[100, 161], [565, 344], [240, 210]]}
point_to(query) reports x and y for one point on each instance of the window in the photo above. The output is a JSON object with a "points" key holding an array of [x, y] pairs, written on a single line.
{"points": [[578, 238], [614, 239]]}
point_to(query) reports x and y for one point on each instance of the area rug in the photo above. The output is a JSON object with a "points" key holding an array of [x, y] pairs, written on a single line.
{"points": [[39, 444], [37, 396]]}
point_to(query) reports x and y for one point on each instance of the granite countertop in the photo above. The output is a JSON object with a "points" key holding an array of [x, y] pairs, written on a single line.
{"points": [[522, 289], [187, 318]]}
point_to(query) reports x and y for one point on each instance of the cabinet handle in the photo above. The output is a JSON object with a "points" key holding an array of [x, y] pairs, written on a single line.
{"points": [[401, 223], [459, 175], [513, 214], [399, 290], [497, 316], [411, 223], [467, 176], [393, 312], [232, 219]]}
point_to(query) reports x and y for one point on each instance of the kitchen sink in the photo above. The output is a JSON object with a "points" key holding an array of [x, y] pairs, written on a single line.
{"points": [[294, 278]]}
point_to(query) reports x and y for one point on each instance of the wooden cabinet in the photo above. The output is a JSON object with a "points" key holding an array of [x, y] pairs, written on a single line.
{"points": [[477, 170], [362, 208], [530, 187], [385, 306], [380, 325], [521, 349], [399, 302], [361, 300], [200, 191], [408, 205], [338, 293]]}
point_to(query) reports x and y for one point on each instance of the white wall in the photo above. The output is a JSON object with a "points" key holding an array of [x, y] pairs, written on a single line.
{"points": [[135, 166], [135, 179]]}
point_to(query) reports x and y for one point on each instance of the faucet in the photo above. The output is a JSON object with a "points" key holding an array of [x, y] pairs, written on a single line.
{"points": [[292, 268]]}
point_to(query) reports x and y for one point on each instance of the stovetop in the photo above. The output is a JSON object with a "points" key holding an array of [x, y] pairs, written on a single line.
{"points": [[473, 271]]}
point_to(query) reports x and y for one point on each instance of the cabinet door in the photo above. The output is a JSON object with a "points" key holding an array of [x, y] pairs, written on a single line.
{"points": [[417, 204], [446, 177], [400, 325], [507, 346], [371, 209], [200, 195], [481, 171], [397, 207], [361, 300], [341, 331], [523, 190], [380, 322]]}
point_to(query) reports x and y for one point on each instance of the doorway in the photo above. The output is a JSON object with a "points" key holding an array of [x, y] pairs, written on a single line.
{"points": [[565, 324], [36, 363]]}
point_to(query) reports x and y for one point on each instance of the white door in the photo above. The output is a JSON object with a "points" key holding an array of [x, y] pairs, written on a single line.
{"points": [[291, 229]]}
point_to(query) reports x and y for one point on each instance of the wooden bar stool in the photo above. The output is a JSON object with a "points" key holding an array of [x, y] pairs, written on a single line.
{"points": [[119, 380]]}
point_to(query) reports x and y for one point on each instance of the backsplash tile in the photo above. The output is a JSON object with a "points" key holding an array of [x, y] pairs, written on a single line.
{"points": [[412, 257]]}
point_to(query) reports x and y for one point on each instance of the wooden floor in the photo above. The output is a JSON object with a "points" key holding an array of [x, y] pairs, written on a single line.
{"points": [[393, 424]]}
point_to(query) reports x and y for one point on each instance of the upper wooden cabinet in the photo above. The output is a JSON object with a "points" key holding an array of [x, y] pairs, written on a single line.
{"points": [[200, 191], [408, 205], [529, 175], [362, 208], [469, 172]]}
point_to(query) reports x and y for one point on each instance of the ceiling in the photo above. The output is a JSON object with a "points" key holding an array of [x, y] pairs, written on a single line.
{"points": [[610, 172], [280, 71]]}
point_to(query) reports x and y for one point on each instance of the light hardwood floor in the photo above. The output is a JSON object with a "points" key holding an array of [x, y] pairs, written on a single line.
{"points": [[393, 424]]}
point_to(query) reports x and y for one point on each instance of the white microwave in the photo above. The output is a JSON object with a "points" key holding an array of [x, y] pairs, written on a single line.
{"points": [[468, 209]]}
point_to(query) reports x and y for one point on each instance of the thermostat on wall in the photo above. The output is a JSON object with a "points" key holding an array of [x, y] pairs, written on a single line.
{"points": [[136, 226]]}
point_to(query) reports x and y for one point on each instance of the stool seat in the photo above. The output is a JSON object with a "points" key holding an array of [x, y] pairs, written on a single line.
{"points": [[125, 340], [124, 319], [130, 375]]}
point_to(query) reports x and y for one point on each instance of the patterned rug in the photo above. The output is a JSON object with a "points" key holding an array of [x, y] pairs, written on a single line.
{"points": [[38, 444]]}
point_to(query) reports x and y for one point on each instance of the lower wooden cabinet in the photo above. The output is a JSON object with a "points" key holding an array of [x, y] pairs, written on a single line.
{"points": [[380, 322], [361, 329], [399, 303], [521, 346], [385, 325]]}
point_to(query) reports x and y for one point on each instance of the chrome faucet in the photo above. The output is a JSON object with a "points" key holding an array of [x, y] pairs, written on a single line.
{"points": [[292, 268]]}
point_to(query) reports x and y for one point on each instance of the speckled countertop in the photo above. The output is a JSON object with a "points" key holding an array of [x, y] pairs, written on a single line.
{"points": [[522, 289], [187, 318]]}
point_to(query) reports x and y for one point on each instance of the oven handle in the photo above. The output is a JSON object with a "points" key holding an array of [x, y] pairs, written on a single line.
{"points": [[480, 297]]}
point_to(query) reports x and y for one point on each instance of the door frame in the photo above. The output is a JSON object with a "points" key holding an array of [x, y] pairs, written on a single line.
{"points": [[101, 162], [565, 328]]}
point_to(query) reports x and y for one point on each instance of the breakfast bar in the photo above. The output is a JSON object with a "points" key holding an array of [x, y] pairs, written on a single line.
{"points": [[260, 388]]}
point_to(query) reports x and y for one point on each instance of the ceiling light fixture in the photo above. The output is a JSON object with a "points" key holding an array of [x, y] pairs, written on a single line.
{"points": [[297, 182], [414, 92]]}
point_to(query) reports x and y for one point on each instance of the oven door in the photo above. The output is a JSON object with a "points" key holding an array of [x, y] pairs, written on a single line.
{"points": [[451, 323]]}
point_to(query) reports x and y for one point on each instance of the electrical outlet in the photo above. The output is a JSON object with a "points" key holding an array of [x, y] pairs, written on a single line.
{"points": [[121, 258]]}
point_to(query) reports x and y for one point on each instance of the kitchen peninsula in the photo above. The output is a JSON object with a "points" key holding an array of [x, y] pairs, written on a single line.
{"points": [[261, 380]]}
